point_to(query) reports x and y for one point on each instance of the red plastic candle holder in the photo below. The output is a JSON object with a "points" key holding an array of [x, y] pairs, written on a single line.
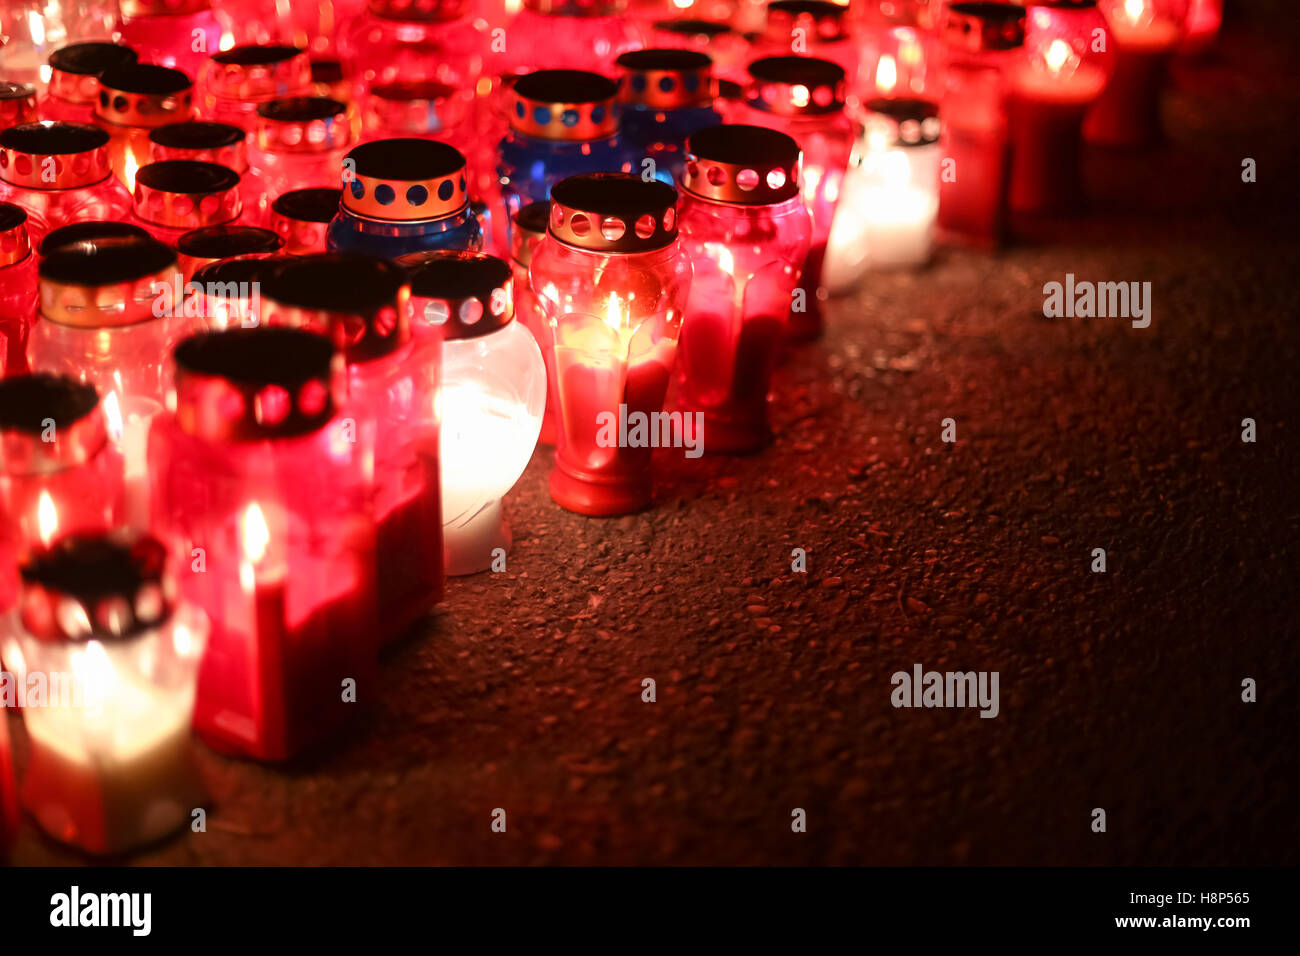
{"points": [[1145, 35], [363, 304], [400, 40], [302, 217], [227, 293], [717, 39], [59, 172], [982, 40], [219, 143], [493, 394], [1204, 18], [74, 79], [816, 28], [111, 766], [180, 34], [897, 60], [86, 234], [263, 495], [613, 280], [804, 98], [17, 104], [17, 288], [569, 34], [175, 196], [747, 231], [133, 100], [529, 230], [233, 82], [301, 142]]}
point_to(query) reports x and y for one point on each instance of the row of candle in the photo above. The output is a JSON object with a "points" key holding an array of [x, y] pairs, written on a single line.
{"points": [[306, 474]]}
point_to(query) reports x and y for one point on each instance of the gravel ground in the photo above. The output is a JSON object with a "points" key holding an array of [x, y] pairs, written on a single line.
{"points": [[1119, 690]]}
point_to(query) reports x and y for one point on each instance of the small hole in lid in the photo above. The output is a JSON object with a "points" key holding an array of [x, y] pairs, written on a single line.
{"points": [[645, 226], [613, 228], [717, 176], [580, 225], [775, 178], [747, 179]]}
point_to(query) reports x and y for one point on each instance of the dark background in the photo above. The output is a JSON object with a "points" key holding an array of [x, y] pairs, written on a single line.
{"points": [[1118, 690]]}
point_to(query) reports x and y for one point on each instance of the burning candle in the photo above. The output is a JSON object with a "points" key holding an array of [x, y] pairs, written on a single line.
{"points": [[219, 143], [666, 95], [981, 40], [264, 492], [32, 28], [1145, 34], [134, 99], [423, 109], [363, 303], [17, 288], [227, 293], [301, 142], [804, 98], [613, 279], [530, 227], [17, 104], [898, 60], [180, 34], [231, 83], [891, 193], [1061, 74], [402, 196], [175, 196], [300, 218], [747, 231], [59, 173], [397, 40], [108, 316], [110, 766], [560, 34], [74, 83], [817, 28], [492, 398], [562, 123]]}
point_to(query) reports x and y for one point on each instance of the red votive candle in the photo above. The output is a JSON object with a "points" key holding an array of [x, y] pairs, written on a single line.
{"points": [[219, 143], [401, 40], [723, 44], [111, 766], [747, 231], [17, 104], [1058, 78], [1204, 17], [199, 247], [17, 288], [392, 376], [613, 279], [897, 60], [981, 40], [804, 98], [88, 233], [227, 293], [424, 109], [1145, 34], [258, 478], [74, 79], [233, 82], [180, 34], [301, 142], [817, 28], [133, 100], [492, 397], [175, 196], [530, 228], [302, 217]]}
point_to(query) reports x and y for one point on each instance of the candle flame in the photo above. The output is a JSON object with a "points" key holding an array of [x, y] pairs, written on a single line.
{"points": [[1134, 9], [36, 26], [612, 317], [1057, 55], [886, 74], [129, 168], [256, 535], [47, 518], [726, 262], [113, 417], [799, 95]]}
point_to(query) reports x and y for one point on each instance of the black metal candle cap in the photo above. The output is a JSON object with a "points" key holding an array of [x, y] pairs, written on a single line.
{"points": [[53, 138], [613, 212], [565, 86], [690, 28], [317, 204], [745, 165], [256, 384], [106, 260], [530, 225], [361, 302], [48, 423], [666, 79], [96, 587], [15, 244], [405, 180], [796, 85], [91, 59], [87, 234], [223, 242], [233, 277], [984, 26], [912, 122], [468, 294], [197, 135]]}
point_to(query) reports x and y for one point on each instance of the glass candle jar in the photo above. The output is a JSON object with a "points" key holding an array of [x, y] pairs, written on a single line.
{"points": [[255, 473], [218, 143], [74, 83], [59, 473], [492, 398], [17, 288], [817, 28], [33, 28], [109, 315], [402, 196], [111, 767], [301, 142], [421, 109], [227, 293], [88, 234], [562, 123], [665, 95], [891, 193], [175, 196], [17, 104], [804, 98], [981, 40], [897, 60], [180, 34], [134, 100], [613, 279], [529, 228], [392, 377], [1145, 35], [233, 82], [1204, 17], [722, 43], [747, 231], [302, 217], [198, 247], [398, 40], [1060, 75], [562, 34], [60, 173]]}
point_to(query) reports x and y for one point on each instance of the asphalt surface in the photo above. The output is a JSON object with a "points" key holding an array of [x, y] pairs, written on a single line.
{"points": [[1119, 691]]}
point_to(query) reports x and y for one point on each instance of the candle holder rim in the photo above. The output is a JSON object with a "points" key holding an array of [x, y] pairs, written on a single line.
{"points": [[91, 57]]}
